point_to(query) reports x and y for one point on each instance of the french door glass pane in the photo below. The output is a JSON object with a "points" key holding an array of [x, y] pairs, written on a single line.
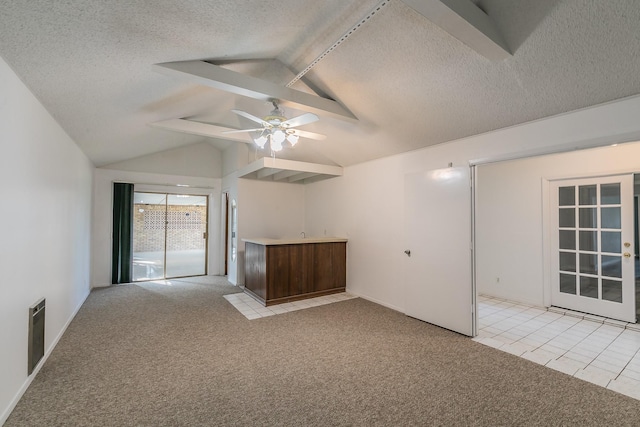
{"points": [[588, 217], [611, 218], [588, 194], [589, 287], [567, 218], [611, 241], [612, 290], [148, 236], [568, 283], [589, 263], [589, 241], [186, 235], [567, 196], [612, 266], [568, 239], [568, 261], [610, 194]]}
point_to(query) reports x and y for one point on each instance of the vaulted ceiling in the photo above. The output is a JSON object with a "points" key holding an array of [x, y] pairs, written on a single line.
{"points": [[411, 76]]}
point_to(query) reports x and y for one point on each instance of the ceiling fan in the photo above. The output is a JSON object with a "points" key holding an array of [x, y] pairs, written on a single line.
{"points": [[276, 128]]}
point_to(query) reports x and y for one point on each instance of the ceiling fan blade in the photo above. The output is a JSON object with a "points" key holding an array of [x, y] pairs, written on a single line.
{"points": [[243, 130], [300, 120], [251, 117], [310, 135]]}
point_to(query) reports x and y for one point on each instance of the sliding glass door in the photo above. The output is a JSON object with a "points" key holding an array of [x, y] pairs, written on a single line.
{"points": [[186, 235], [169, 236], [149, 213]]}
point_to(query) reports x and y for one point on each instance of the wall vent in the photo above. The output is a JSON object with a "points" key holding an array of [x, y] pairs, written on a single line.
{"points": [[36, 334]]}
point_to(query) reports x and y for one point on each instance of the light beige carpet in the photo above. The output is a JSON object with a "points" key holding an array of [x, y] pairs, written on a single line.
{"points": [[181, 355]]}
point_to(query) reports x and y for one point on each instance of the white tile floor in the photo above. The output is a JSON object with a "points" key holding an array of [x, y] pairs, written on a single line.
{"points": [[602, 351], [252, 309]]}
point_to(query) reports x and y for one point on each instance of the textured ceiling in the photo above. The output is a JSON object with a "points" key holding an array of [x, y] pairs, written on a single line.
{"points": [[410, 83]]}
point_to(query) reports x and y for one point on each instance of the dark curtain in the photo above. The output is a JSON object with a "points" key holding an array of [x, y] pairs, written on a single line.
{"points": [[122, 233]]}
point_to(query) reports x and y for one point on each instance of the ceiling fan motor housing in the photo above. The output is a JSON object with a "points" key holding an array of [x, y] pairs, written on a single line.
{"points": [[275, 120]]}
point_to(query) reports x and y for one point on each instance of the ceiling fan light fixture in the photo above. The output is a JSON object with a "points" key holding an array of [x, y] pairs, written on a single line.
{"points": [[261, 141], [293, 139], [276, 129], [275, 145], [278, 136]]}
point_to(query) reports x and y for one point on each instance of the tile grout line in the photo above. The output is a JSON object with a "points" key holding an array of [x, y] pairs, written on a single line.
{"points": [[586, 337], [627, 364], [600, 353], [536, 330], [565, 352]]}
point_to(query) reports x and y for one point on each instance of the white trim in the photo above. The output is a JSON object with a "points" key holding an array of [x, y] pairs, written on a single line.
{"points": [[222, 238], [384, 304], [7, 412], [628, 171], [170, 189], [473, 176], [546, 242], [560, 148]]}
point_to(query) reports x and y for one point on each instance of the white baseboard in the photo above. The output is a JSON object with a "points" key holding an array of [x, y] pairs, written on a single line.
{"points": [[368, 298], [5, 415]]}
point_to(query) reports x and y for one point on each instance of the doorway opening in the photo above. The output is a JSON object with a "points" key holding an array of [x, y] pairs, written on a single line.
{"points": [[169, 236], [513, 230]]}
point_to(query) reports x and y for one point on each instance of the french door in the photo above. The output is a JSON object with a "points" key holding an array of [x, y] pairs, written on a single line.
{"points": [[592, 241], [169, 236]]}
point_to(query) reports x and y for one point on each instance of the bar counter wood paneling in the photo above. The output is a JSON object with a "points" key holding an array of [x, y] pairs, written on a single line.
{"points": [[278, 271]]}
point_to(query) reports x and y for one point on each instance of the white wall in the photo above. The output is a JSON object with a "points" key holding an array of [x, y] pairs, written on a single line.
{"points": [[201, 160], [46, 213], [266, 209], [103, 208], [235, 157], [367, 203], [510, 215]]}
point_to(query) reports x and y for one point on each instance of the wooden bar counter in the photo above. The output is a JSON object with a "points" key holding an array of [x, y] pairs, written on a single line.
{"points": [[278, 271]]}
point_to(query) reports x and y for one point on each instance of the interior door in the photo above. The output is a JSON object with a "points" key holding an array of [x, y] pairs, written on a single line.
{"points": [[592, 241], [439, 287]]}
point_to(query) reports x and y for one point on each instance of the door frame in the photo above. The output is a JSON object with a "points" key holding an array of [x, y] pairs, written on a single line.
{"points": [[473, 176], [225, 235], [166, 206]]}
